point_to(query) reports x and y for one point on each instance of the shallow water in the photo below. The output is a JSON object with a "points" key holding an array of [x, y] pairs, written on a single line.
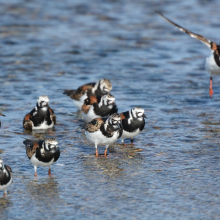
{"points": [[172, 172]]}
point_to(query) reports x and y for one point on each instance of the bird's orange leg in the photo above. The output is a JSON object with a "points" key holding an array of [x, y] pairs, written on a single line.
{"points": [[35, 169], [210, 88], [105, 154], [49, 172], [96, 152], [123, 142]]}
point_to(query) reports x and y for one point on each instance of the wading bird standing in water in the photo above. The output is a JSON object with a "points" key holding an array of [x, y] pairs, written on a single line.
{"points": [[103, 131], [42, 153]]}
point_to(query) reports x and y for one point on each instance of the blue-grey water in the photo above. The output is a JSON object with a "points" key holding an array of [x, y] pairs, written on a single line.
{"points": [[173, 170]]}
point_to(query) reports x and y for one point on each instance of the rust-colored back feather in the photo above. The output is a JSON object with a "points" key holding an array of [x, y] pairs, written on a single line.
{"points": [[93, 99], [94, 125], [31, 148], [122, 116], [52, 116], [27, 123], [76, 94], [85, 108]]}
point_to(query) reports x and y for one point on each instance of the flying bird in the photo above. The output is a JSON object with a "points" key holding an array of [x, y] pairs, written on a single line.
{"points": [[212, 64]]}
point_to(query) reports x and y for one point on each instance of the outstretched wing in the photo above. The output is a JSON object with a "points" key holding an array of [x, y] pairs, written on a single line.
{"points": [[31, 147], [94, 125], [199, 37]]}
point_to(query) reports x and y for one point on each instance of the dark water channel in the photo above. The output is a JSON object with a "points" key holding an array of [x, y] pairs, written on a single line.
{"points": [[173, 170]]}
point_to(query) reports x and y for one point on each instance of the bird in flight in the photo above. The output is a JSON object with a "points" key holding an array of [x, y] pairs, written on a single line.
{"points": [[212, 64]]}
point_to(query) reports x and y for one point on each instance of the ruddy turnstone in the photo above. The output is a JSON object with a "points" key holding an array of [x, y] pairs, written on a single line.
{"points": [[133, 123], [102, 87], [98, 107], [41, 117], [212, 64], [104, 131], [42, 153], [1, 115], [6, 177]]}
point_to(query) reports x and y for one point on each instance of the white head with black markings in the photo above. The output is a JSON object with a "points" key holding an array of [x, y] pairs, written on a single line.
{"points": [[42, 102], [138, 113], [105, 86], [50, 144], [108, 100], [115, 121], [2, 167]]}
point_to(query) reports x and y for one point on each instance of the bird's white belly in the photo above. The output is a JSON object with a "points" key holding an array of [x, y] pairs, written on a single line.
{"points": [[79, 103], [90, 115], [126, 134], [44, 125], [211, 65], [36, 162], [3, 187], [98, 138]]}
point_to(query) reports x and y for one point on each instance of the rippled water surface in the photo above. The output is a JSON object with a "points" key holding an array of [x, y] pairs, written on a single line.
{"points": [[172, 171]]}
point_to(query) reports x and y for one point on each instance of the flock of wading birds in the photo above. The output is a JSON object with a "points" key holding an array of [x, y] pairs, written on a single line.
{"points": [[103, 125]]}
